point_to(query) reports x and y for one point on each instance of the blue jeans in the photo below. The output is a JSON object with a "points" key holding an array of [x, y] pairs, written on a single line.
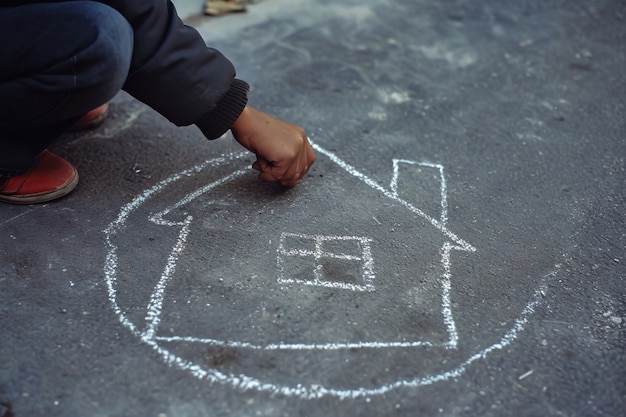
{"points": [[57, 61]]}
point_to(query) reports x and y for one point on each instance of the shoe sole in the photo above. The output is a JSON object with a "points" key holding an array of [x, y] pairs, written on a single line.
{"points": [[42, 197], [91, 123]]}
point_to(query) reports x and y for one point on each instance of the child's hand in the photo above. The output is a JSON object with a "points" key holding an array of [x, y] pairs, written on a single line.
{"points": [[283, 152]]}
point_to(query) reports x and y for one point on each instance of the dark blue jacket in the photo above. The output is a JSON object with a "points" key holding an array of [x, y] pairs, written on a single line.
{"points": [[174, 71]]}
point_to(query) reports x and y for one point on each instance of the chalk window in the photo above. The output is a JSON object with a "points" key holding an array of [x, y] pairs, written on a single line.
{"points": [[327, 261]]}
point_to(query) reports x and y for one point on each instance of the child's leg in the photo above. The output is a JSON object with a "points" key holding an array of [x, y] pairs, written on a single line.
{"points": [[57, 62]]}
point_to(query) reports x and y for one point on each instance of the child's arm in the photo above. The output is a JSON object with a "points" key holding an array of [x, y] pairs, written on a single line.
{"points": [[283, 152]]}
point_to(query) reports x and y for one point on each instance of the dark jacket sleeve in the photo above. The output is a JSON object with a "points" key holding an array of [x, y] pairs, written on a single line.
{"points": [[174, 72]]}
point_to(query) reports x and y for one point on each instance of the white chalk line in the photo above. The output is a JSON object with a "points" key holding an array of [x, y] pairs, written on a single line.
{"points": [[318, 282], [447, 314], [158, 217], [311, 391], [155, 308], [296, 346], [446, 287], [153, 316], [438, 224], [442, 184], [316, 391], [318, 253], [110, 266]]}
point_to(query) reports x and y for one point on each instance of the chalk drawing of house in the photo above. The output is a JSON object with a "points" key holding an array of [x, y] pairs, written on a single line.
{"points": [[341, 276]]}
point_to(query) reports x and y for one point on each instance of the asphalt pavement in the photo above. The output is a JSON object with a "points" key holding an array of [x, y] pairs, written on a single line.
{"points": [[458, 248]]}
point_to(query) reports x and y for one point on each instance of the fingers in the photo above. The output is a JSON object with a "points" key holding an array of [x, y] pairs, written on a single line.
{"points": [[287, 172], [293, 173], [275, 173], [300, 165]]}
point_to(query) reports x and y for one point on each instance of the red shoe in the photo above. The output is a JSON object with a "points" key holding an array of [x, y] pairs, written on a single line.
{"points": [[91, 119], [51, 177]]}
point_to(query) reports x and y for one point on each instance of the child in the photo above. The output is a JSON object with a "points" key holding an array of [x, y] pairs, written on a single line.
{"points": [[67, 58]]}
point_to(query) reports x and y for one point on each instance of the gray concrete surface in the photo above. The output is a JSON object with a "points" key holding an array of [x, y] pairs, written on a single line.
{"points": [[188, 9], [480, 274]]}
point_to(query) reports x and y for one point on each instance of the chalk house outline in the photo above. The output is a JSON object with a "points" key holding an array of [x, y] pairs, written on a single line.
{"points": [[153, 317], [155, 307]]}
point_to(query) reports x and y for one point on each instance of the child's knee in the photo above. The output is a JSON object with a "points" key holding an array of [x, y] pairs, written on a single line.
{"points": [[105, 60]]}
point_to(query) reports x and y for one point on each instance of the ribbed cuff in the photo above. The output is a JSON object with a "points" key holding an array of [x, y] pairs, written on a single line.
{"points": [[215, 123]]}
